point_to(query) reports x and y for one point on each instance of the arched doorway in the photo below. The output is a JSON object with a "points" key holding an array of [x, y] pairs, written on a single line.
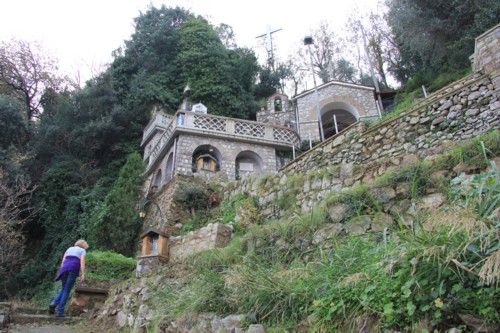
{"points": [[248, 163], [344, 114]]}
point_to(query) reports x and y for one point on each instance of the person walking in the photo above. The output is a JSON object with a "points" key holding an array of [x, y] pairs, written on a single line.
{"points": [[72, 264]]}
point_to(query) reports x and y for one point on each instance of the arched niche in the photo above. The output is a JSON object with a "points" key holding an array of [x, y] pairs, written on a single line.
{"points": [[345, 115], [206, 158], [248, 163]]}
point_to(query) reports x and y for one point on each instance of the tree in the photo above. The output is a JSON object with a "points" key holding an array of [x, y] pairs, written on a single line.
{"points": [[344, 70], [226, 35], [218, 77], [116, 223], [27, 71], [438, 34], [13, 127], [324, 51], [144, 72], [15, 211], [372, 31]]}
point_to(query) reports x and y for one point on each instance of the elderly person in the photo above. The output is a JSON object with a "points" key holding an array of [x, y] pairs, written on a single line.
{"points": [[73, 262]]}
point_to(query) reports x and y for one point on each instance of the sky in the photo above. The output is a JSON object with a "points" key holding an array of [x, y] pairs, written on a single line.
{"points": [[82, 34]]}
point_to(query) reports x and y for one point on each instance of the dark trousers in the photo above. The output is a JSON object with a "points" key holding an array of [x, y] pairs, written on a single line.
{"points": [[67, 281]]}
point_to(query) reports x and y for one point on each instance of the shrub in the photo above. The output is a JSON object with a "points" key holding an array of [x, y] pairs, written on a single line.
{"points": [[107, 265]]}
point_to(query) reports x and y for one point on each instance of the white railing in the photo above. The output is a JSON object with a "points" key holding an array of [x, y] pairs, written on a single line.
{"points": [[226, 127]]}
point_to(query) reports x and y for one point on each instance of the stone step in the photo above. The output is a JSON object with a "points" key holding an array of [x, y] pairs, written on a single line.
{"points": [[42, 329], [17, 318], [31, 310]]}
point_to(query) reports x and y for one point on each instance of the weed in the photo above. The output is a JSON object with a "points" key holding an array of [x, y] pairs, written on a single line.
{"points": [[294, 184]]}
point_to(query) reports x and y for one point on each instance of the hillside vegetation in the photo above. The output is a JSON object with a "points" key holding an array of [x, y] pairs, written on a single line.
{"points": [[427, 259]]}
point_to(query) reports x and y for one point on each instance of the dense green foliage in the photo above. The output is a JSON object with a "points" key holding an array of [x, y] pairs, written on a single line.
{"points": [[77, 153], [115, 222], [438, 36], [106, 265]]}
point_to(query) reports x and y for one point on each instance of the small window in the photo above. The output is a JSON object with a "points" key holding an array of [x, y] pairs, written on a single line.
{"points": [[154, 244], [277, 104]]}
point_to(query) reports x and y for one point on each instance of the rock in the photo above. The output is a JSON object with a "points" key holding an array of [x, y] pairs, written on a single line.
{"points": [[121, 319], [358, 225], [232, 321], [475, 95], [130, 319], [306, 324], [432, 201], [381, 221], [478, 324], [256, 328], [329, 231], [346, 170], [471, 112], [383, 194], [337, 212]]}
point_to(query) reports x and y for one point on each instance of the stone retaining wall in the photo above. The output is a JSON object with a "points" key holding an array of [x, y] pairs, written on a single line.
{"points": [[462, 110], [209, 237]]}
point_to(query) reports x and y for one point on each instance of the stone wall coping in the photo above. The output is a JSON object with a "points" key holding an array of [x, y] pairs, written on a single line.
{"points": [[320, 145], [88, 290], [334, 83], [487, 32]]}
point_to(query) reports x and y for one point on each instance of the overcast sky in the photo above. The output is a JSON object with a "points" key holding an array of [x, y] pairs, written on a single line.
{"points": [[82, 33]]}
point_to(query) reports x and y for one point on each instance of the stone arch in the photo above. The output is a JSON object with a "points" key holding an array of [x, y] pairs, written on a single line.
{"points": [[248, 163], [345, 115], [158, 179], [169, 167], [346, 109], [209, 153]]}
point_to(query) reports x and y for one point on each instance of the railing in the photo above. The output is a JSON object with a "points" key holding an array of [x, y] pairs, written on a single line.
{"points": [[160, 120], [226, 127]]}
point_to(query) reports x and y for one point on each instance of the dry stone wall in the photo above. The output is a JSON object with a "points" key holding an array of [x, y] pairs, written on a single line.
{"points": [[462, 110], [207, 238]]}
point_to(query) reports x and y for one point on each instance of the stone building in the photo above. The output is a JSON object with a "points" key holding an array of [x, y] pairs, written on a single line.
{"points": [[341, 104], [193, 142]]}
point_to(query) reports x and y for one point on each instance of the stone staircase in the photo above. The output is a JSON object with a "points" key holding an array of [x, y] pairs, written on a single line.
{"points": [[34, 320]]}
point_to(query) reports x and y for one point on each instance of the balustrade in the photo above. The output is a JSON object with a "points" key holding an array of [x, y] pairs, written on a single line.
{"points": [[235, 128]]}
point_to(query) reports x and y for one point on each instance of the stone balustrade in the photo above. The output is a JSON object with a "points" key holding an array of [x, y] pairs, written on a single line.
{"points": [[224, 127], [160, 120]]}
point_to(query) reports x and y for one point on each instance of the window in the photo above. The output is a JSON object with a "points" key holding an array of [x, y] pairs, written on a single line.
{"points": [[154, 244], [277, 104]]}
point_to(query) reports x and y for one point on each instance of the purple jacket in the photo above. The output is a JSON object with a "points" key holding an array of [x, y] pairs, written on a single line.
{"points": [[70, 264]]}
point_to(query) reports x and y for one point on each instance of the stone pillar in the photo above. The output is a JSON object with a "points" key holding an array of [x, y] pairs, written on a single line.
{"points": [[487, 55]]}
